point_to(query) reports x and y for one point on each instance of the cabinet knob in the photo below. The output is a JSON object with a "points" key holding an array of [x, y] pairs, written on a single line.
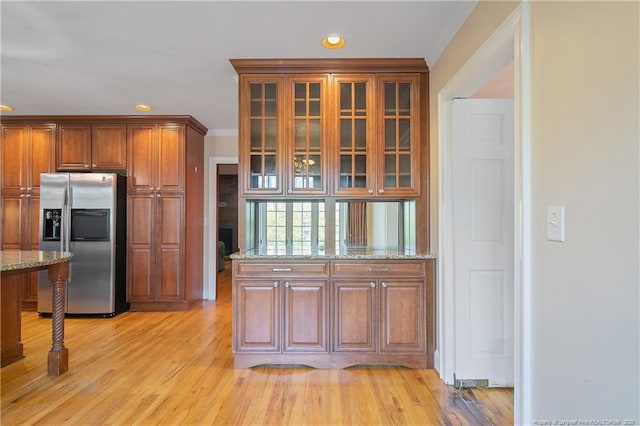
{"points": [[371, 191], [380, 191], [275, 284], [86, 166], [372, 284], [289, 191], [21, 195], [151, 196], [158, 188], [29, 188], [159, 195], [286, 284], [94, 165], [383, 284], [28, 195], [22, 188]]}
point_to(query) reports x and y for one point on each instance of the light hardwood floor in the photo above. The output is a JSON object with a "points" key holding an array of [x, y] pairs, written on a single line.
{"points": [[177, 368]]}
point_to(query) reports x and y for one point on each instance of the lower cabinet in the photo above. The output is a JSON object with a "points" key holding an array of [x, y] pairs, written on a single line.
{"points": [[379, 316], [156, 252], [280, 313], [333, 314]]}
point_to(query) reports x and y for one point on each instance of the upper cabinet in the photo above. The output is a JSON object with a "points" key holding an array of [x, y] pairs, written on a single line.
{"points": [[344, 128], [91, 147], [156, 157], [27, 151]]}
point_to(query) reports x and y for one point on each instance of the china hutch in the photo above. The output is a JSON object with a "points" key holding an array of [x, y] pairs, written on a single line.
{"points": [[334, 268]]}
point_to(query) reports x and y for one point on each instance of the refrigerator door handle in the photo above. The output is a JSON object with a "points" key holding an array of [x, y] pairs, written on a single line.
{"points": [[66, 222]]}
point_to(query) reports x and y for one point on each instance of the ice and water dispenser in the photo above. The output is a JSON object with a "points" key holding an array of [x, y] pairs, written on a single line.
{"points": [[52, 224]]}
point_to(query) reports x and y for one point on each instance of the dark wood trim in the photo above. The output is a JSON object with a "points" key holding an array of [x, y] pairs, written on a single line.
{"points": [[325, 65]]}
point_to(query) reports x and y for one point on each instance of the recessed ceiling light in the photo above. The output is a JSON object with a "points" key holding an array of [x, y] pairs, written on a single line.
{"points": [[143, 107], [333, 42], [6, 108]]}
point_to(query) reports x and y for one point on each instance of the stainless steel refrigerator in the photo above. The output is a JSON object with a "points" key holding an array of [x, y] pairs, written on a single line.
{"points": [[85, 213]]}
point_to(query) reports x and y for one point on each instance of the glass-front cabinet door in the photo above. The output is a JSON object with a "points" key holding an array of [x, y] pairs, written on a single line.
{"points": [[398, 136], [306, 162], [354, 164], [261, 134]]}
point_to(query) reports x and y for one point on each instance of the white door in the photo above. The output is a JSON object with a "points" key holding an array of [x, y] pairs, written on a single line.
{"points": [[483, 214]]}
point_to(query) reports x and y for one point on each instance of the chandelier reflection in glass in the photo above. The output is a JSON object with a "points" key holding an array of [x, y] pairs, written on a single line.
{"points": [[307, 171]]}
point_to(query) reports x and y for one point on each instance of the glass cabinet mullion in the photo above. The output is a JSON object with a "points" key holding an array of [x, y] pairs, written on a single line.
{"points": [[308, 135], [263, 135], [399, 134]]}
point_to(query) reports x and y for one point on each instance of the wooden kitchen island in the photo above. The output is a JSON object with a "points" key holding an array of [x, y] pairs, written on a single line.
{"points": [[13, 264]]}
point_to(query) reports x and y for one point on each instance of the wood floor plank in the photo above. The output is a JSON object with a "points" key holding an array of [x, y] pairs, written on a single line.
{"points": [[173, 368]]}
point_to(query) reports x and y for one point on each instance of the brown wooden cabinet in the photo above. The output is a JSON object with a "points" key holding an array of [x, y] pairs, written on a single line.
{"points": [[156, 243], [91, 147], [333, 313], [164, 160], [302, 121], [165, 214], [280, 312], [156, 157], [26, 151]]}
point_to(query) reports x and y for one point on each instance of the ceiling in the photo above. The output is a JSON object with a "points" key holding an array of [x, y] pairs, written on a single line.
{"points": [[102, 58]]}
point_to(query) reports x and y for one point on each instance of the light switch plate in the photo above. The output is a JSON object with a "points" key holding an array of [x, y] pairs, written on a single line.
{"points": [[555, 223]]}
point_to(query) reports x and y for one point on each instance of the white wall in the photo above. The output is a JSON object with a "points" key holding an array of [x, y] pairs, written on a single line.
{"points": [[214, 146], [585, 135]]}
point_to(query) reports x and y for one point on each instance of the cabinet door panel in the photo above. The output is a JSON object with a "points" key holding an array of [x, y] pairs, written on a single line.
{"points": [[14, 154], [354, 316], [140, 156], [354, 154], [109, 147], [261, 134], [257, 317], [42, 153], [305, 316], [306, 159], [139, 284], [140, 264], [12, 222], [170, 158], [169, 275], [169, 244], [399, 136], [402, 316], [73, 150], [32, 237]]}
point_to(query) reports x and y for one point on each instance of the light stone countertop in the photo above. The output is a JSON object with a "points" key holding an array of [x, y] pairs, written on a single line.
{"points": [[350, 253], [16, 260]]}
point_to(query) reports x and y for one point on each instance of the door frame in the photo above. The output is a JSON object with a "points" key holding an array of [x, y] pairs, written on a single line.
{"points": [[511, 41], [211, 251]]}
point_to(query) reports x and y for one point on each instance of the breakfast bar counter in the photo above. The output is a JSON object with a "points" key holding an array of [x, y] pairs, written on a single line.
{"points": [[13, 264]]}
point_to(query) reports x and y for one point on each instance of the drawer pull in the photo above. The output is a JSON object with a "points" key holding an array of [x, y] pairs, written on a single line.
{"points": [[378, 269], [282, 269]]}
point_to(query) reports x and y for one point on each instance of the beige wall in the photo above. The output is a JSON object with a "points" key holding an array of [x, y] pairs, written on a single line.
{"points": [[584, 305], [585, 135], [485, 18]]}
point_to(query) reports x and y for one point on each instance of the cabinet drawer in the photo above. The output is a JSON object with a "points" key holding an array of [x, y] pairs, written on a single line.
{"points": [[284, 269], [379, 269]]}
